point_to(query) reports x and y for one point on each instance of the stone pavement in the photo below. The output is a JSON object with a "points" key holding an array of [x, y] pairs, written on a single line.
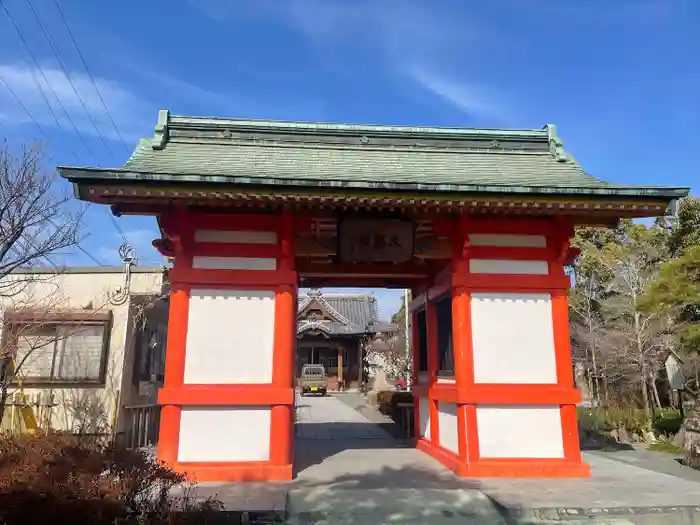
{"points": [[350, 471]]}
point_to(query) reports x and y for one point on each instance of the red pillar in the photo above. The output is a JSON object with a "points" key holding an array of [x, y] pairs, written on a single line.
{"points": [[281, 432], [504, 271], [215, 394]]}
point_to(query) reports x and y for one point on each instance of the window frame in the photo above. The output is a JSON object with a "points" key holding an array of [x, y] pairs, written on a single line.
{"points": [[15, 319]]}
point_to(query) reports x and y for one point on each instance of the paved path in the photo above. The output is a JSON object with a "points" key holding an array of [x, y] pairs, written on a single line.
{"points": [[349, 471], [328, 418]]}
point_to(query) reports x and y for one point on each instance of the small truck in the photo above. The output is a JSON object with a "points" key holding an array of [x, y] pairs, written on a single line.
{"points": [[313, 380]]}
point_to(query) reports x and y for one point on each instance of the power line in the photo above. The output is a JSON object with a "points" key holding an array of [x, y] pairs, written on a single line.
{"points": [[116, 225], [19, 101], [70, 81], [31, 70], [65, 71], [77, 245], [93, 259], [38, 85], [92, 79], [41, 130]]}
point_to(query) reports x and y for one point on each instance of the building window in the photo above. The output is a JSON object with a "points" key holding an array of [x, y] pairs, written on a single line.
{"points": [[446, 358], [422, 327], [57, 348]]}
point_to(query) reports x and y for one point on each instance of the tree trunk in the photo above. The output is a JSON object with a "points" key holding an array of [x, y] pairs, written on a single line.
{"points": [[645, 394], [642, 365], [655, 391]]}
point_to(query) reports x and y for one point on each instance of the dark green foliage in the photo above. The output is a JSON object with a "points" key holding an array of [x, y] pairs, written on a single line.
{"points": [[664, 422], [668, 422]]}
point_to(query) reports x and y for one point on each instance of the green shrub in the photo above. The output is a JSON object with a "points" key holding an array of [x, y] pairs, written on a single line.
{"points": [[668, 422]]}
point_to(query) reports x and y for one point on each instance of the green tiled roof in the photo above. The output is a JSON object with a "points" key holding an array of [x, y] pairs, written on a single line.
{"points": [[245, 152]]}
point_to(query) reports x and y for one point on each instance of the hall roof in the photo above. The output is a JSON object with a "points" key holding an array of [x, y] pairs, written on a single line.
{"points": [[231, 154], [353, 313]]}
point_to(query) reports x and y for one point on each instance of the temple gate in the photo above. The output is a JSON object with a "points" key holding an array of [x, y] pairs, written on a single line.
{"points": [[476, 222]]}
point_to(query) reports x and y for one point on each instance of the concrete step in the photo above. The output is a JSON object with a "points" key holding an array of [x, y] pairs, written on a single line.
{"points": [[350, 506]]}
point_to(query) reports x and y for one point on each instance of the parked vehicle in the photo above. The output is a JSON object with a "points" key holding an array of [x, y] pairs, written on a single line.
{"points": [[314, 380]]}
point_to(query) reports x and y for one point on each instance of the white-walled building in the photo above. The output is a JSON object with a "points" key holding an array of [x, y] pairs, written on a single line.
{"points": [[89, 343]]}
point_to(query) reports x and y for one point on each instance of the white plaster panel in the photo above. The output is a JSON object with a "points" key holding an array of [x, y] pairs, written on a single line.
{"points": [[520, 432], [447, 425], [513, 338], [240, 236], [230, 336], [506, 239], [512, 267], [224, 434], [424, 416], [234, 263]]}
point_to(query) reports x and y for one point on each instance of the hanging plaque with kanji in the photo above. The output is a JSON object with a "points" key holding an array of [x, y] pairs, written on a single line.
{"points": [[366, 240]]}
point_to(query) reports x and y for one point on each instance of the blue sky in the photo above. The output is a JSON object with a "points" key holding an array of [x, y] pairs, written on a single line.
{"points": [[619, 79]]}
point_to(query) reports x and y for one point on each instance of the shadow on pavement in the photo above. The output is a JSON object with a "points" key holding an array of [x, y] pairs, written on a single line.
{"points": [[405, 494], [316, 442]]}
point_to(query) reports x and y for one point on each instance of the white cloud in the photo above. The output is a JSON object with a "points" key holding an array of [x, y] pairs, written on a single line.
{"points": [[126, 108], [475, 100], [414, 42]]}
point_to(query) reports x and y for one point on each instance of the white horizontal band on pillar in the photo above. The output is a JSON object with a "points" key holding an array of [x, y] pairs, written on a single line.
{"points": [[520, 432], [227, 433], [233, 263], [494, 266], [513, 338], [424, 416], [507, 240], [235, 236], [230, 336], [447, 425]]}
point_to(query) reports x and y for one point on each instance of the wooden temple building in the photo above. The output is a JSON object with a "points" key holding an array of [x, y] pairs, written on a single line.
{"points": [[476, 222], [333, 329]]}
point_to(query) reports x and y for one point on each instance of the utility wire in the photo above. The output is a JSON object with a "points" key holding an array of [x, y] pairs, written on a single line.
{"points": [[33, 73], [39, 87], [19, 101], [118, 228], [77, 244], [93, 259], [70, 80], [65, 71], [82, 58]]}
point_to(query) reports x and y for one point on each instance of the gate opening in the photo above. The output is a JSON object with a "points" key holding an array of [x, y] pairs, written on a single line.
{"points": [[475, 222]]}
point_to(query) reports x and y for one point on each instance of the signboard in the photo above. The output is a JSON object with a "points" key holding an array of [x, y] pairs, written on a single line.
{"points": [[366, 240], [674, 373]]}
